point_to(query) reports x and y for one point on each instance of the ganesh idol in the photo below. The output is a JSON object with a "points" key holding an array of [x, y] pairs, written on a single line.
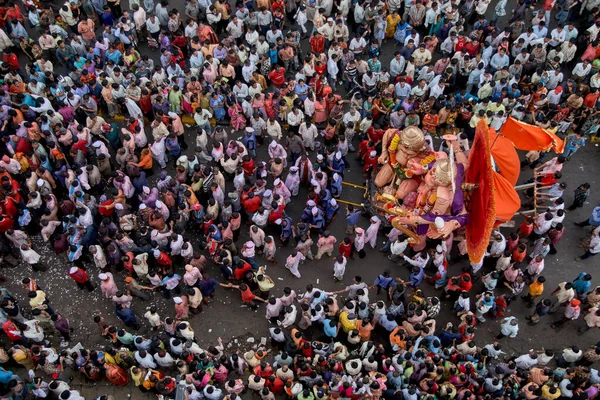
{"points": [[439, 209], [403, 153]]}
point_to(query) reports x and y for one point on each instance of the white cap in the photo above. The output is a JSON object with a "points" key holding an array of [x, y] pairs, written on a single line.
{"points": [[73, 270], [439, 222], [336, 176], [273, 143], [338, 155], [102, 276], [311, 203], [294, 169], [438, 248], [278, 221], [314, 182], [315, 210], [146, 189], [119, 206], [319, 157], [97, 144], [333, 202], [373, 153], [330, 19], [277, 182], [249, 244], [177, 300], [143, 206], [159, 204], [249, 129], [267, 193], [40, 182]]}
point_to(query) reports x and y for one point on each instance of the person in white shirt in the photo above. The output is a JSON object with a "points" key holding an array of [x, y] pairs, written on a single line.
{"points": [[509, 326], [581, 70], [191, 29], [308, 132], [240, 90], [397, 65], [357, 45], [558, 35], [294, 119], [235, 28], [332, 70]]}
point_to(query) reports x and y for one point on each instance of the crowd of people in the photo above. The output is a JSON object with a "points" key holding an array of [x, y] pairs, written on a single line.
{"points": [[153, 205]]}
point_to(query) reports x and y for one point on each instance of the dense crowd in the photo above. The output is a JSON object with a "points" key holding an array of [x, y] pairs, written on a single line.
{"points": [[138, 199]]}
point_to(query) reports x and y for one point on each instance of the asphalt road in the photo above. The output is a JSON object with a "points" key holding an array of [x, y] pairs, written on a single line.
{"points": [[225, 317]]}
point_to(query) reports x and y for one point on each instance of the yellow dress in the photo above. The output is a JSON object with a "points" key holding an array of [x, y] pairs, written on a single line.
{"points": [[392, 22]]}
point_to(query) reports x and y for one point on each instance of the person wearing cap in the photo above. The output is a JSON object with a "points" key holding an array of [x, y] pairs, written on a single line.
{"points": [[332, 209], [572, 312], [81, 278], [281, 190], [370, 164], [317, 220]]}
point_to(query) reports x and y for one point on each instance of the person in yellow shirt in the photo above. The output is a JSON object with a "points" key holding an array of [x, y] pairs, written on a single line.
{"points": [[550, 392], [348, 321], [536, 288]]}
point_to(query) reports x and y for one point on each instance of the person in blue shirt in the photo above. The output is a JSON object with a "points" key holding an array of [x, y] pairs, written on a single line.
{"points": [[286, 229], [127, 316], [351, 218], [172, 145], [114, 55], [337, 164], [384, 281], [107, 17], [593, 220], [331, 328], [331, 211], [335, 186], [582, 284], [301, 90], [416, 276], [249, 140], [449, 335], [317, 221]]}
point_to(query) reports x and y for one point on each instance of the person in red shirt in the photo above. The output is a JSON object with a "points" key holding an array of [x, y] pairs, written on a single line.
{"points": [[11, 59], [163, 260], [23, 145], [364, 148], [248, 298], [81, 278], [465, 282], [239, 272], [317, 43], [13, 332], [277, 76], [6, 224], [251, 204], [375, 134], [276, 212], [526, 228], [248, 165], [370, 163], [275, 384], [128, 262], [345, 247]]}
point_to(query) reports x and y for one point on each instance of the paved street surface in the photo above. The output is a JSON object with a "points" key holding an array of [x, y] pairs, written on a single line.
{"points": [[224, 316]]}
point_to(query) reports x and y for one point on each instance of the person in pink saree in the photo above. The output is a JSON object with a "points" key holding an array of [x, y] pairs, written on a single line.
{"points": [[238, 121]]}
